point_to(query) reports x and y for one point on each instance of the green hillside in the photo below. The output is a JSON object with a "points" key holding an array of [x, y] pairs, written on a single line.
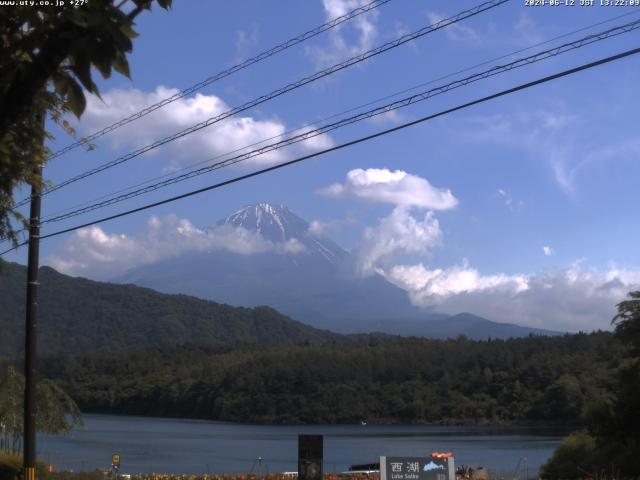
{"points": [[77, 315]]}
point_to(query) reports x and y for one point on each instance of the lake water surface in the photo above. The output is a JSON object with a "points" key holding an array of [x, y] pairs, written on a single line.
{"points": [[198, 446]]}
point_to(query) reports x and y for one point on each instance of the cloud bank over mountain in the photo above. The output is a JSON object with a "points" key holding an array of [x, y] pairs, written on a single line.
{"points": [[571, 298], [574, 297], [567, 298], [100, 255]]}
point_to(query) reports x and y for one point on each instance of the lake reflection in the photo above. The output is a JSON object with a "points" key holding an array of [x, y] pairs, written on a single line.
{"points": [[197, 446]]}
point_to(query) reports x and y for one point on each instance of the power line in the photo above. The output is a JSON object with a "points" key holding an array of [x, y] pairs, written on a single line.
{"points": [[225, 73], [502, 93], [419, 97], [352, 109], [281, 91]]}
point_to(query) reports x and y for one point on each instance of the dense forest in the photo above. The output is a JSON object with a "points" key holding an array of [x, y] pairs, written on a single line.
{"points": [[526, 380]]}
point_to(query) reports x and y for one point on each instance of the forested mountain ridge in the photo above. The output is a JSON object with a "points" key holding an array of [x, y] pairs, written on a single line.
{"points": [[524, 380], [77, 316]]}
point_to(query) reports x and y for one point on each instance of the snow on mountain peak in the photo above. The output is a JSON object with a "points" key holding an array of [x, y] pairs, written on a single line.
{"points": [[277, 223]]}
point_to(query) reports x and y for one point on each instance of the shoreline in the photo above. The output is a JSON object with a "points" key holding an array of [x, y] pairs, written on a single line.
{"points": [[386, 423]]}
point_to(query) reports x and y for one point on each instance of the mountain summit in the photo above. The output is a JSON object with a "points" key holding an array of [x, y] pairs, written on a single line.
{"points": [[274, 222], [307, 277], [278, 224]]}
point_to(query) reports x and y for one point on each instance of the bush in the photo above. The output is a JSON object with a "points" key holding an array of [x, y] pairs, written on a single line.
{"points": [[575, 457]]}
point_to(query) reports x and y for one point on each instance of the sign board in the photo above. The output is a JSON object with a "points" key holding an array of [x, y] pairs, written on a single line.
{"points": [[115, 459], [417, 468], [310, 455]]}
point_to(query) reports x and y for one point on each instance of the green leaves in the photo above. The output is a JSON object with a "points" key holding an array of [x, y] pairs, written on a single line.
{"points": [[627, 322], [71, 94], [47, 61], [121, 65], [612, 443], [75, 98], [56, 412]]}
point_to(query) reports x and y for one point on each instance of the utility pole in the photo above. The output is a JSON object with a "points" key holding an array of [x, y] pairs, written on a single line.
{"points": [[29, 456]]}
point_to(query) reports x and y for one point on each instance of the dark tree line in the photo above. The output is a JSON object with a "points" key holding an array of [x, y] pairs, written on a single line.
{"points": [[526, 380]]}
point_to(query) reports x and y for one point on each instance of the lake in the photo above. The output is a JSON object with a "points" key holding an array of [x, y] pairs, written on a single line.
{"points": [[198, 446]]}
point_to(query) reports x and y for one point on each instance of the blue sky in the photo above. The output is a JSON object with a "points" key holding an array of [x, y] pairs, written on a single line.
{"points": [[544, 181]]}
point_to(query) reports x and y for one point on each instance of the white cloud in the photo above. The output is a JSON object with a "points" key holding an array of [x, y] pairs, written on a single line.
{"points": [[397, 233], [348, 39], [455, 31], [394, 187], [428, 287], [570, 299], [548, 251], [314, 142], [228, 135], [93, 252]]}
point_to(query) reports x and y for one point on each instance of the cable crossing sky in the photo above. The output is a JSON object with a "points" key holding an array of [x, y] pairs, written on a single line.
{"points": [[410, 100], [332, 116], [225, 73], [281, 91], [494, 96]]}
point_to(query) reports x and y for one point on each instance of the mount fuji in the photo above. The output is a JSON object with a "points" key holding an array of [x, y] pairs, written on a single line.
{"points": [[307, 277]]}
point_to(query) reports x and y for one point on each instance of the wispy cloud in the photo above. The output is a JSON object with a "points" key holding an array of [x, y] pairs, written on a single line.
{"points": [[569, 161], [391, 117], [457, 31], [558, 138], [346, 40], [246, 40], [526, 29], [511, 204], [331, 227]]}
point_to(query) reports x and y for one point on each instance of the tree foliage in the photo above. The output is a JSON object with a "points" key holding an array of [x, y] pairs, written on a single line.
{"points": [[422, 381], [613, 421], [56, 412], [575, 457], [46, 59], [627, 323]]}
